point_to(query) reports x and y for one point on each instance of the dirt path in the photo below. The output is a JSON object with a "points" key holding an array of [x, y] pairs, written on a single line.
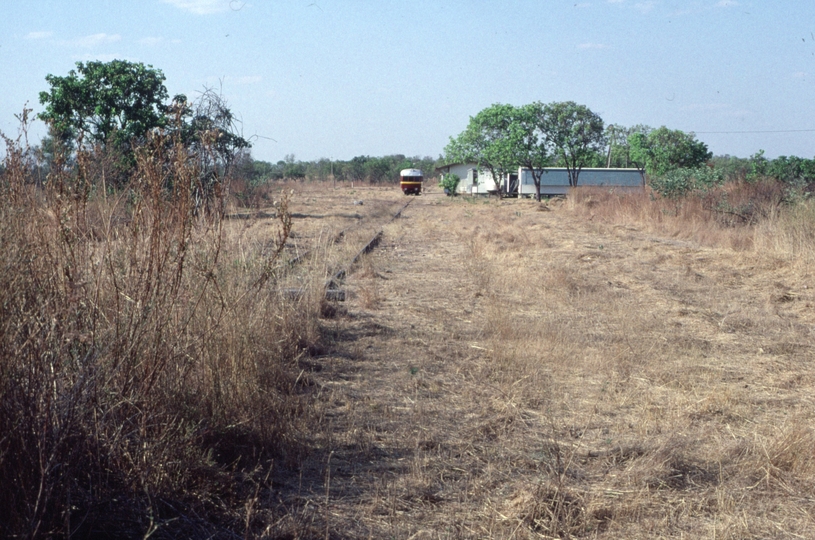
{"points": [[508, 372]]}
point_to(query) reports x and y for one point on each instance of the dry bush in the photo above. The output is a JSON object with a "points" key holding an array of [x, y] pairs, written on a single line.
{"points": [[745, 216], [145, 363], [789, 234]]}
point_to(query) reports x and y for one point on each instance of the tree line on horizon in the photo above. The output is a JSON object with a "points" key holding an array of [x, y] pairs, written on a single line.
{"points": [[372, 169], [113, 107]]}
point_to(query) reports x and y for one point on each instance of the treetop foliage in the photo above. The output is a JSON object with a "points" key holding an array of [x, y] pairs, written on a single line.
{"points": [[103, 101], [492, 139], [503, 137], [575, 133], [115, 113], [662, 150]]}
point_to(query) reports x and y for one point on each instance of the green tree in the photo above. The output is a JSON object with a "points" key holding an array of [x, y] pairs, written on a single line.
{"points": [[575, 133], [354, 170], [531, 148], [663, 150], [116, 101], [292, 169], [681, 182], [378, 169], [488, 142], [618, 153]]}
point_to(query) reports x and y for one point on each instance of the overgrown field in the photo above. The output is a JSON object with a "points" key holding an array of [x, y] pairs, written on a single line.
{"points": [[603, 367], [147, 352], [606, 366]]}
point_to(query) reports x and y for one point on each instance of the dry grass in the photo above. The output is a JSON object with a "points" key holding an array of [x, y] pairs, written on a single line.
{"points": [[147, 358], [549, 374], [602, 367]]}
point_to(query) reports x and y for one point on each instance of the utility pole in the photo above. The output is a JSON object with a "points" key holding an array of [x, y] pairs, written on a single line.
{"points": [[610, 144]]}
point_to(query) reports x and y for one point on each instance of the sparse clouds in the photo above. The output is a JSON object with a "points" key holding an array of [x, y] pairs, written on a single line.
{"points": [[645, 6], [39, 35], [94, 40], [201, 7]]}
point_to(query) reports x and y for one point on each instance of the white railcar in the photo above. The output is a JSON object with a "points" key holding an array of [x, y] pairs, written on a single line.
{"points": [[555, 180]]}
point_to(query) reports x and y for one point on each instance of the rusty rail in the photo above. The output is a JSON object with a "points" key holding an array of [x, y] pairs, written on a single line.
{"points": [[333, 290]]}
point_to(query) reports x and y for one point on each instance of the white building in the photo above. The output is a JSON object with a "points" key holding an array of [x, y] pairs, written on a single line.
{"points": [[472, 181]]}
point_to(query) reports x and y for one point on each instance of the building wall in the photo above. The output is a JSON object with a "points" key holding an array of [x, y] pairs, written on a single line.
{"points": [[459, 169], [555, 181], [485, 183]]}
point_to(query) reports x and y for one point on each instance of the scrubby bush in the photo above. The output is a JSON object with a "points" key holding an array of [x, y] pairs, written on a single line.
{"points": [[144, 386], [681, 182], [449, 182]]}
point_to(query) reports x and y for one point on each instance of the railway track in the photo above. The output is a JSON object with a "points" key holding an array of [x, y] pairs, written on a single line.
{"points": [[334, 284], [333, 290]]}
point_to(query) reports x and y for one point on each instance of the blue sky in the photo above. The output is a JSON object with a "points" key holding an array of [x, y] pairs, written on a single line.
{"points": [[337, 79]]}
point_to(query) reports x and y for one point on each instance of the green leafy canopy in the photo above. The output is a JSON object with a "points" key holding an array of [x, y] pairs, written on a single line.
{"points": [[662, 150], [106, 101]]}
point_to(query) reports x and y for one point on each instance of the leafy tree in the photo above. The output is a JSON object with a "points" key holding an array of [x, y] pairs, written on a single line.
{"points": [[261, 172], [378, 169], [384, 169], [487, 141], [320, 169], [575, 133], [663, 150], [292, 168], [530, 144], [793, 171], [619, 150], [116, 101], [758, 166], [354, 170]]}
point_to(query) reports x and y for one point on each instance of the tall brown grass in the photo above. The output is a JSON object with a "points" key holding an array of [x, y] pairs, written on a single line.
{"points": [[145, 365], [746, 216]]}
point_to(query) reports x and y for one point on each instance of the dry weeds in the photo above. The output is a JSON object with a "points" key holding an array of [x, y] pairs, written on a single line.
{"points": [[603, 367], [578, 372]]}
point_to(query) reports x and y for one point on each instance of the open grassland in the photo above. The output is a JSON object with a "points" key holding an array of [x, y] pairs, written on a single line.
{"points": [[605, 366], [602, 367]]}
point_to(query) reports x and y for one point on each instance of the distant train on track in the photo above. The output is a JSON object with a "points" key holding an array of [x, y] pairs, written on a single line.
{"points": [[411, 181]]}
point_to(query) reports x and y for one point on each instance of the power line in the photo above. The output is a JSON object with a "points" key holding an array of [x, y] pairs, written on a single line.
{"points": [[759, 131]]}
